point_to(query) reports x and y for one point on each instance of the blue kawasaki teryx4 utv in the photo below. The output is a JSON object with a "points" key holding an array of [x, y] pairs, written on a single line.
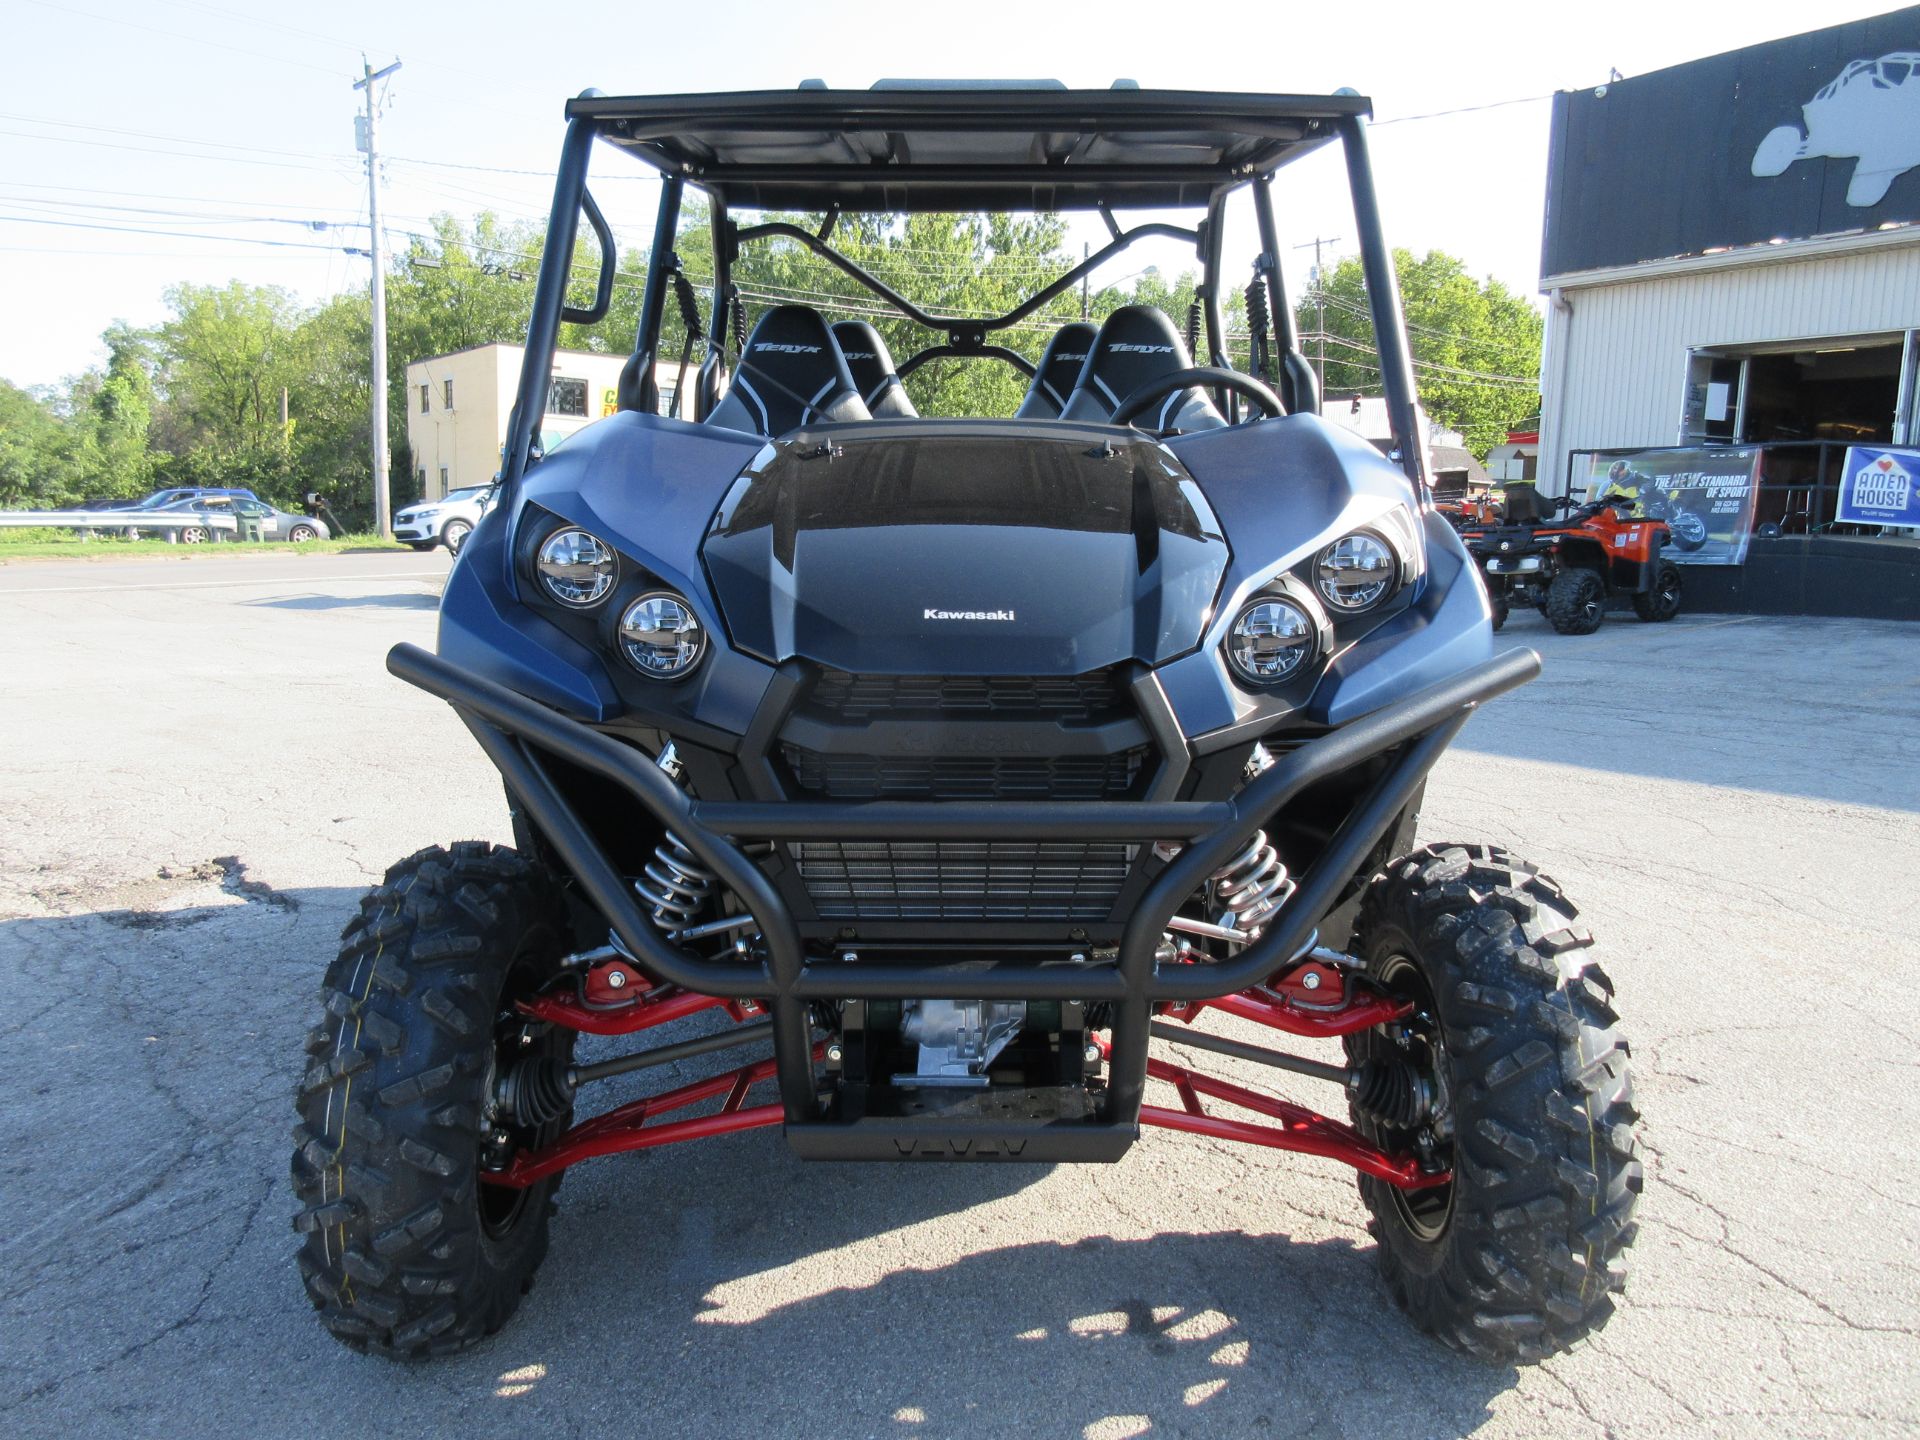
{"points": [[956, 762]]}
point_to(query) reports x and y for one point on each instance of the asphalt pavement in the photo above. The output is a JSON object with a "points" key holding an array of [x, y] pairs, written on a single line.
{"points": [[203, 763]]}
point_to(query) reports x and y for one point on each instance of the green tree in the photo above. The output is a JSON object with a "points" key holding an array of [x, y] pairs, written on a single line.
{"points": [[30, 442], [1475, 344], [111, 414]]}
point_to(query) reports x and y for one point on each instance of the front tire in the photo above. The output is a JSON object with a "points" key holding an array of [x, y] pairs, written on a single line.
{"points": [[1662, 602], [1576, 602], [1519, 1255], [455, 535], [300, 534], [406, 1252]]}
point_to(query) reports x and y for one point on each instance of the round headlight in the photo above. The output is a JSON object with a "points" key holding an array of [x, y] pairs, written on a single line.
{"points": [[661, 636], [576, 568], [1270, 641], [1356, 571]]}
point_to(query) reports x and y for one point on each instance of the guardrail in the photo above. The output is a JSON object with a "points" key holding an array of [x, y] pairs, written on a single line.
{"points": [[114, 520]]}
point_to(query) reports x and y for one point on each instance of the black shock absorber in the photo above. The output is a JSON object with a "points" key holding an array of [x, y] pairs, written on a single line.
{"points": [[690, 321], [739, 324], [1193, 328], [674, 884], [1259, 328]]}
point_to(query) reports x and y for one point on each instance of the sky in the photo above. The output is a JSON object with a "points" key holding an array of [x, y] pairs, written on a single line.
{"points": [[148, 144]]}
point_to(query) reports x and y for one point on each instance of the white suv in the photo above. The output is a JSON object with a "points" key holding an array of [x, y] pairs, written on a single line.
{"points": [[446, 521]]}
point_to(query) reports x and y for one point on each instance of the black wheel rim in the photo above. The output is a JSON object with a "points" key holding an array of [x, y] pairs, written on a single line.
{"points": [[1427, 1213]]}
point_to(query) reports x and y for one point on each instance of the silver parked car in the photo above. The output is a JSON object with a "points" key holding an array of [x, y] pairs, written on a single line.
{"points": [[274, 524], [446, 521]]}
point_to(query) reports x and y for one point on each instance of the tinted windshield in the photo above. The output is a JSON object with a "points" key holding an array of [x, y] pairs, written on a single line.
{"points": [[470, 492]]}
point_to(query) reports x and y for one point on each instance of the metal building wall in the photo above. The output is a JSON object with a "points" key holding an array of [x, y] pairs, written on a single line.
{"points": [[1616, 361]]}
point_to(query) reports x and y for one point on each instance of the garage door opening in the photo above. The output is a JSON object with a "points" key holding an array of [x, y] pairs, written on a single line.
{"points": [[1859, 391]]}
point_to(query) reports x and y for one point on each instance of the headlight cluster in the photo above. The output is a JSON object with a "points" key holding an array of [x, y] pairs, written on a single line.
{"points": [[1275, 636], [658, 632]]}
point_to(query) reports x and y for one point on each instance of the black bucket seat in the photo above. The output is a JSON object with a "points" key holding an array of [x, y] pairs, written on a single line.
{"points": [[871, 364], [1058, 372], [791, 372], [1136, 344]]}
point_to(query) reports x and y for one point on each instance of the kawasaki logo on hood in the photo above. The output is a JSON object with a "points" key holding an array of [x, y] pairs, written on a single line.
{"points": [[966, 614]]}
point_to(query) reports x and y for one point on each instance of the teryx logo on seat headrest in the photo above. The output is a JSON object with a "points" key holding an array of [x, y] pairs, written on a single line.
{"points": [[1081, 356], [1121, 347], [780, 349], [859, 355]]}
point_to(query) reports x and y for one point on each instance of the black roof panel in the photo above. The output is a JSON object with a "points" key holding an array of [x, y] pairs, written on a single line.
{"points": [[967, 149]]}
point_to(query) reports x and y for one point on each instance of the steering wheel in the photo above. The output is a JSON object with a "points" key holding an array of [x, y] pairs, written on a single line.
{"points": [[1202, 377]]}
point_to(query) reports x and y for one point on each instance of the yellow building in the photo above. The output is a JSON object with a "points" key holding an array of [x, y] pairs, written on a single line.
{"points": [[458, 404]]}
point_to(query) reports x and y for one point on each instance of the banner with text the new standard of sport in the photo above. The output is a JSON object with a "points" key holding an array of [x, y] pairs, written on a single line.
{"points": [[1877, 487], [1703, 492]]}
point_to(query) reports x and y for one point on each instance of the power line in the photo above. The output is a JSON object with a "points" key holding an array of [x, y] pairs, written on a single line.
{"points": [[169, 234], [1460, 110], [66, 10]]}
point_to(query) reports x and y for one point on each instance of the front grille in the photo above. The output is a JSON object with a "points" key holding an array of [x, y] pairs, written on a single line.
{"points": [[826, 776], [962, 880], [1043, 697]]}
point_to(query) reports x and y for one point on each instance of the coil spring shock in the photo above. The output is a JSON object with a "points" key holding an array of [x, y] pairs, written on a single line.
{"points": [[739, 308], [1259, 328], [675, 884], [1252, 885]]}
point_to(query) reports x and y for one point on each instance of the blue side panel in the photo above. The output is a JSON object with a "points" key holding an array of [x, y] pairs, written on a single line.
{"points": [[1283, 490], [649, 486], [493, 634], [1446, 630]]}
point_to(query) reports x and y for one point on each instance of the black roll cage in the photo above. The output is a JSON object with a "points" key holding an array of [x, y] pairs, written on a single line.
{"points": [[964, 337]]}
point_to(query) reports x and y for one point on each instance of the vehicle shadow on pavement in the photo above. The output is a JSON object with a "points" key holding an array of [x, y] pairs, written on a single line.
{"points": [[404, 600], [720, 1288]]}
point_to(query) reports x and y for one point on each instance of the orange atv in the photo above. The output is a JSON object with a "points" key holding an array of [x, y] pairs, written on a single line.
{"points": [[1570, 567]]}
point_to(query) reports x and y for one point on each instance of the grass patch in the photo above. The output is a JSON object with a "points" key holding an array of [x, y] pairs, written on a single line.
{"points": [[51, 544]]}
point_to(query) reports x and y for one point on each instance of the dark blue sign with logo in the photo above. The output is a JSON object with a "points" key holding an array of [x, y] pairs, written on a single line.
{"points": [[1878, 487]]}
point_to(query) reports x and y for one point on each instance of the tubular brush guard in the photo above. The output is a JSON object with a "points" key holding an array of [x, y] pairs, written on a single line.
{"points": [[515, 732]]}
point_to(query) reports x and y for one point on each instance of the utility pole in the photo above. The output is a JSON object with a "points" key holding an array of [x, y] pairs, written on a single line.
{"points": [[1320, 307], [370, 142], [1084, 252]]}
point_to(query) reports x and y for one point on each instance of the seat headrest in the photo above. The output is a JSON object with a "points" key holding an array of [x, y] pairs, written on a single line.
{"points": [[791, 372], [871, 365], [1136, 344], [1058, 372]]}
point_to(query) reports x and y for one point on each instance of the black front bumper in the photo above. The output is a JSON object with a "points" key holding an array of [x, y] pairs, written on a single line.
{"points": [[515, 732]]}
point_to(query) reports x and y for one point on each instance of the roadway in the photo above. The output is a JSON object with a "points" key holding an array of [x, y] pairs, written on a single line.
{"points": [[203, 764]]}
